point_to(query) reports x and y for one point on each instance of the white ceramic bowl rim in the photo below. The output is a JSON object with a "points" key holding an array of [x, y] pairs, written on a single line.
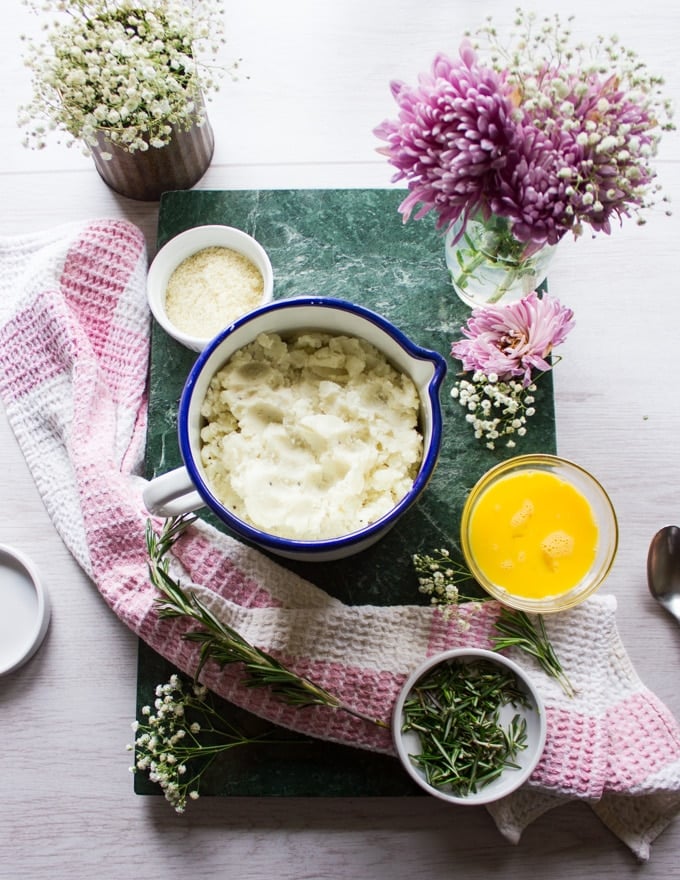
{"points": [[427, 465], [28, 640], [510, 780]]}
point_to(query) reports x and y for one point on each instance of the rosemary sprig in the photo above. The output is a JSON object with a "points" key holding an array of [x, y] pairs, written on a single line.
{"points": [[440, 577], [517, 630], [455, 711], [221, 642]]}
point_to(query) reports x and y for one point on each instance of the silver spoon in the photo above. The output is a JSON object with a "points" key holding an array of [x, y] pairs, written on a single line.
{"points": [[663, 569]]}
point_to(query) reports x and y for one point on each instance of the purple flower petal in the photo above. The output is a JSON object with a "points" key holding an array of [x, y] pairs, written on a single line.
{"points": [[454, 130], [513, 340]]}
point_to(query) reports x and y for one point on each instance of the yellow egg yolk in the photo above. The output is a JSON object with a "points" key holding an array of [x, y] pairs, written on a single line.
{"points": [[533, 534]]}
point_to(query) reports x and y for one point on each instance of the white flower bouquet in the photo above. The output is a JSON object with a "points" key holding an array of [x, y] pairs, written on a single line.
{"points": [[129, 69]]}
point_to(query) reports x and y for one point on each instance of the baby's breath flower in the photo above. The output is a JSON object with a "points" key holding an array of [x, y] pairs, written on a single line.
{"points": [[131, 71], [440, 578], [167, 746], [496, 410]]}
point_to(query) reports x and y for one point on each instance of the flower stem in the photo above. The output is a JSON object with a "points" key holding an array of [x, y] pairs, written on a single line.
{"points": [[467, 269], [509, 278]]}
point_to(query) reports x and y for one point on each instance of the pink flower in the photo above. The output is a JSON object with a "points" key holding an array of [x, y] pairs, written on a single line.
{"points": [[512, 340], [454, 131]]}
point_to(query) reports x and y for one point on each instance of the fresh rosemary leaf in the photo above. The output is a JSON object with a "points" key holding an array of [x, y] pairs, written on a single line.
{"points": [[441, 578], [220, 642], [517, 630], [455, 712]]}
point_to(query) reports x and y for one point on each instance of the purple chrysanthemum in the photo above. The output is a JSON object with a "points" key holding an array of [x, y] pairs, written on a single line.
{"points": [[578, 161], [512, 340], [453, 133], [530, 192], [548, 139], [615, 143]]}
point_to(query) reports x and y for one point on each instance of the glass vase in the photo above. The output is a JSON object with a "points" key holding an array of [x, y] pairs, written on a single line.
{"points": [[146, 174], [488, 265]]}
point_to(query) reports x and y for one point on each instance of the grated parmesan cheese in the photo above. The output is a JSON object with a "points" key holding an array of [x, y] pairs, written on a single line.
{"points": [[211, 288]]}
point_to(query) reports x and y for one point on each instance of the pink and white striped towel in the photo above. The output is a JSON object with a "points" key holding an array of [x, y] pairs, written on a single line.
{"points": [[74, 344]]}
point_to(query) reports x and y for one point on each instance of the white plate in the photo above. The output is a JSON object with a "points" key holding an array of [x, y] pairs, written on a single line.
{"points": [[24, 609]]}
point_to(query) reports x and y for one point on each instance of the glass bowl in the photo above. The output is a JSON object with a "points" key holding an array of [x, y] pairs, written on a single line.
{"points": [[550, 526]]}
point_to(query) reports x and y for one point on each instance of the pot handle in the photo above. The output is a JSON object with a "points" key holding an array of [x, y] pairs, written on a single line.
{"points": [[171, 494]]}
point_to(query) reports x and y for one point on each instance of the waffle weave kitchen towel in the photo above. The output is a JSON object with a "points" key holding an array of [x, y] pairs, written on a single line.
{"points": [[74, 346]]}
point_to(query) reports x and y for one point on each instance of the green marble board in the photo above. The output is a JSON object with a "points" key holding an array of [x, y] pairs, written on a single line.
{"points": [[350, 244]]}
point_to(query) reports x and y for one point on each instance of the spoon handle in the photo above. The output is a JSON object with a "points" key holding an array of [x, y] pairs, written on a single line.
{"points": [[673, 607]]}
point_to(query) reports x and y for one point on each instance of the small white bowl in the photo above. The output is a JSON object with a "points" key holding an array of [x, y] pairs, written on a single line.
{"points": [[183, 246], [24, 610], [408, 743]]}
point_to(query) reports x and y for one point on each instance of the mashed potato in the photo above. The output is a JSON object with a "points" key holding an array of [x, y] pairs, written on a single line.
{"points": [[310, 437]]}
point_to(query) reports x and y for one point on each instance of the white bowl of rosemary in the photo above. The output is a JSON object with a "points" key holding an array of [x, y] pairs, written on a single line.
{"points": [[469, 726]]}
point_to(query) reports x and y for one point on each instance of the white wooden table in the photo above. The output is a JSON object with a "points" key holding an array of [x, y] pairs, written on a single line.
{"points": [[314, 83]]}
